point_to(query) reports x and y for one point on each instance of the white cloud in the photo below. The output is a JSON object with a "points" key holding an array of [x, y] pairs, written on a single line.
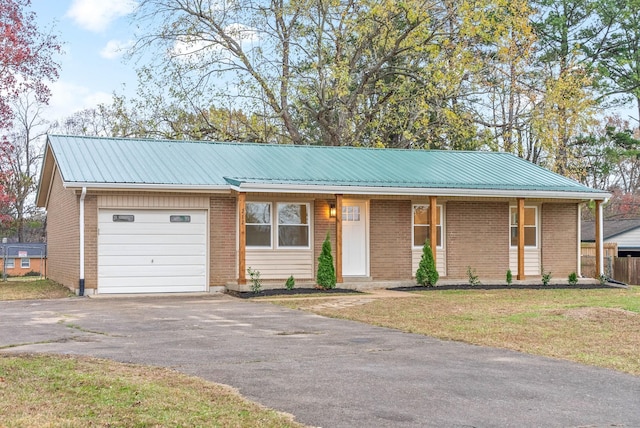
{"points": [[115, 48], [68, 98], [96, 15]]}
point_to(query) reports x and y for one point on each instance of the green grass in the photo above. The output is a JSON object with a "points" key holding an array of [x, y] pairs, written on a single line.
{"points": [[64, 391], [597, 327], [21, 289]]}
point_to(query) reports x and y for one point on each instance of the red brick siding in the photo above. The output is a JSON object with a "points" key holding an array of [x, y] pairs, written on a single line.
{"points": [[63, 235], [477, 235], [222, 248], [390, 239], [560, 239], [36, 264]]}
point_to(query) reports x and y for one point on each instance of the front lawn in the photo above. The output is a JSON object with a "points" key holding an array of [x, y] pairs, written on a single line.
{"points": [[28, 289], [65, 391], [599, 327]]}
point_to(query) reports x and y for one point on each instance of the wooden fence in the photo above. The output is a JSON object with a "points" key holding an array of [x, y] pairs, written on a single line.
{"points": [[589, 249], [623, 269]]}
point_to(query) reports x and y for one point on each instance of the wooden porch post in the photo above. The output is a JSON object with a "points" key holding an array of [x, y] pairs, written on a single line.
{"points": [[339, 239], [598, 239], [520, 239], [242, 238], [433, 225]]}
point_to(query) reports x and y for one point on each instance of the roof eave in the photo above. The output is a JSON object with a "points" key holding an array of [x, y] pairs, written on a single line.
{"points": [[416, 191], [202, 188]]}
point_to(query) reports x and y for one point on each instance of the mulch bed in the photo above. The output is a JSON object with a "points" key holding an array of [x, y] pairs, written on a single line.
{"points": [[502, 287], [295, 291]]}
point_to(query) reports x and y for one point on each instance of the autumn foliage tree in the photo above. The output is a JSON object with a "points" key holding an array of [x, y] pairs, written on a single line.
{"points": [[26, 65]]}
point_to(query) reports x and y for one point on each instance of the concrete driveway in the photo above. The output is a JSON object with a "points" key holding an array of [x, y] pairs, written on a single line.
{"points": [[327, 372]]}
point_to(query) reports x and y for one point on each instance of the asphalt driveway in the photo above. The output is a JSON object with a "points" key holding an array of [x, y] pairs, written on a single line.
{"points": [[327, 372]]}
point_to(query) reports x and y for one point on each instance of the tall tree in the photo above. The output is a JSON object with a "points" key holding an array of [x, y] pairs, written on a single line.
{"points": [[353, 72], [620, 61], [26, 56], [21, 159]]}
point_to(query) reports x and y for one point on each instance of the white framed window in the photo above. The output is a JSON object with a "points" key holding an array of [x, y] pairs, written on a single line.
{"points": [[25, 263], [258, 224], [530, 227], [421, 227], [293, 225], [11, 263]]}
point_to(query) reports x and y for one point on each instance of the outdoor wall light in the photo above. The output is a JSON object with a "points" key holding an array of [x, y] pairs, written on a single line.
{"points": [[332, 210]]}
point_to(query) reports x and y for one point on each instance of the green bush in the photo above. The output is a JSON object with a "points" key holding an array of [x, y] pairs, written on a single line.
{"points": [[427, 273], [573, 278], [290, 283], [326, 277], [32, 273], [256, 282], [473, 278], [509, 277], [546, 278]]}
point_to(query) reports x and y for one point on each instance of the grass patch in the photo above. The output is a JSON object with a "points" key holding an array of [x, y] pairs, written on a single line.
{"points": [[34, 289], [56, 391], [598, 327]]}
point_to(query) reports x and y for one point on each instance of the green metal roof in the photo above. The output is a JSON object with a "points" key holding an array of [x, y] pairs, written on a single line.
{"points": [[137, 163]]}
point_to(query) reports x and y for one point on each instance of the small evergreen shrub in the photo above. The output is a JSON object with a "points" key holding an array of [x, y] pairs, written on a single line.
{"points": [[427, 273], [326, 276], [546, 278], [290, 283], [473, 278], [256, 282], [509, 277], [32, 273], [573, 278]]}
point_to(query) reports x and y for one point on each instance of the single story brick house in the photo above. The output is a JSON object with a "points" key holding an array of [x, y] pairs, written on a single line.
{"points": [[145, 216], [19, 259]]}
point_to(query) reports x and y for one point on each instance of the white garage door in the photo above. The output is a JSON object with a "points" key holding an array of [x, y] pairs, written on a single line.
{"points": [[151, 251]]}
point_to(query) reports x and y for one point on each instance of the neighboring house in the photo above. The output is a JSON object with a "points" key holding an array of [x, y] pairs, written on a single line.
{"points": [[625, 233], [23, 258], [130, 215]]}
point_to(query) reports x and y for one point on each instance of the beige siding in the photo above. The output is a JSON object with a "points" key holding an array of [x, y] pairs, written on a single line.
{"points": [[281, 264], [531, 261], [152, 201], [441, 264]]}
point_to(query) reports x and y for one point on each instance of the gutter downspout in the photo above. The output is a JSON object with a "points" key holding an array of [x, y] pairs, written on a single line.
{"points": [[579, 267], [81, 284], [600, 238]]}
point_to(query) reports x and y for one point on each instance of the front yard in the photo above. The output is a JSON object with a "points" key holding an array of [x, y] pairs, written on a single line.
{"points": [[599, 327]]}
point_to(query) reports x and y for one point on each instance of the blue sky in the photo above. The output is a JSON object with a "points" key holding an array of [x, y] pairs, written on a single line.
{"points": [[91, 66]]}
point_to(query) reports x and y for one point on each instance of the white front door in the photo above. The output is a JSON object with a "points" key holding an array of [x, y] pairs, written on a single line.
{"points": [[354, 238]]}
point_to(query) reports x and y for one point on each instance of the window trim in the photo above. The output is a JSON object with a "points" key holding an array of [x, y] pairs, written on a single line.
{"points": [[261, 247], [537, 227], [413, 226], [10, 263], [22, 260], [308, 225]]}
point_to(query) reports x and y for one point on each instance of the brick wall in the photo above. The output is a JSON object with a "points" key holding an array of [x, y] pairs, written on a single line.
{"points": [[390, 239], [321, 224], [63, 235], [222, 249], [477, 235], [560, 239], [90, 242]]}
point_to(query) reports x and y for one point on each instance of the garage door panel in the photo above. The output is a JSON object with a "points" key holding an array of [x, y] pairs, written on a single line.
{"points": [[152, 254], [138, 228], [150, 250], [124, 239], [151, 271], [141, 260]]}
